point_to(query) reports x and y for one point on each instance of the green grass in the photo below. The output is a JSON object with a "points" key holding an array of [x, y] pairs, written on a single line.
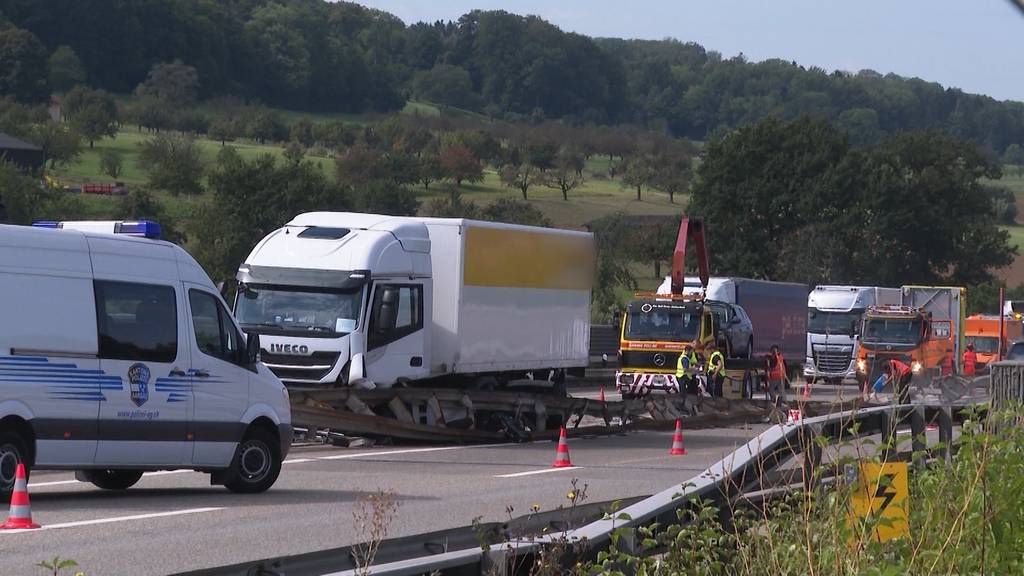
{"points": [[598, 195], [1016, 236]]}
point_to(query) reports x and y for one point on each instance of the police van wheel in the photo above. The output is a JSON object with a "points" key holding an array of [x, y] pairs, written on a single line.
{"points": [[256, 465], [12, 453], [113, 479]]}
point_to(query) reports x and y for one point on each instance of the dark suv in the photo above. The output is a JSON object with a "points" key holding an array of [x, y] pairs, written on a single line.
{"points": [[735, 330]]}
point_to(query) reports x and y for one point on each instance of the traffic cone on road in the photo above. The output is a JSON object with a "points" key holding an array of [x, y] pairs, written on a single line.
{"points": [[21, 512], [562, 452], [807, 390], [677, 441], [601, 394]]}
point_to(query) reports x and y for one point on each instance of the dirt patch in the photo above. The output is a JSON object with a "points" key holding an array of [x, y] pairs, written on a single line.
{"points": [[1013, 274]]}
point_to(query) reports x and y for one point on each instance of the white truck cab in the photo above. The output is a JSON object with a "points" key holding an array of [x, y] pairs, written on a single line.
{"points": [[118, 356], [834, 315]]}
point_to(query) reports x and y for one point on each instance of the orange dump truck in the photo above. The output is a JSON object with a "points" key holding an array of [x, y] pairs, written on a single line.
{"points": [[982, 330]]}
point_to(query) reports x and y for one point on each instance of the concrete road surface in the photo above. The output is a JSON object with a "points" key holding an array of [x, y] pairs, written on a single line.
{"points": [[176, 521]]}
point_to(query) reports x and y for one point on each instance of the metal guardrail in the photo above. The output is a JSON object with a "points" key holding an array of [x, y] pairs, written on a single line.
{"points": [[733, 476]]}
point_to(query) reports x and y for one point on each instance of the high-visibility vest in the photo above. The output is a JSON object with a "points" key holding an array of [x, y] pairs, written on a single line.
{"points": [[899, 369], [778, 372], [716, 362], [690, 362], [970, 359]]}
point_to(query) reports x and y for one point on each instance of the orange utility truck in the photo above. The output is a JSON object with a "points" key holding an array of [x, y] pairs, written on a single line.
{"points": [[921, 332], [982, 330]]}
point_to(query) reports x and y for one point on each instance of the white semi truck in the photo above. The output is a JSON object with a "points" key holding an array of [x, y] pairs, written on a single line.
{"points": [[365, 300], [834, 316]]}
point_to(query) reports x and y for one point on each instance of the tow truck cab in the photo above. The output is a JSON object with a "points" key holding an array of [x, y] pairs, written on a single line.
{"points": [[655, 330], [903, 333]]}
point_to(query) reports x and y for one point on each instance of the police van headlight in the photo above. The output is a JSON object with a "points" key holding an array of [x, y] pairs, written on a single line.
{"points": [[862, 365], [915, 367]]}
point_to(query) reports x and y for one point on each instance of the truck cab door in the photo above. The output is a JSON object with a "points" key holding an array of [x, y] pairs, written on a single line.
{"points": [[396, 338]]}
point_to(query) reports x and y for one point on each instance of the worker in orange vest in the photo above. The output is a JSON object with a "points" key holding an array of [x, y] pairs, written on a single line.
{"points": [[776, 376], [970, 360], [947, 366]]}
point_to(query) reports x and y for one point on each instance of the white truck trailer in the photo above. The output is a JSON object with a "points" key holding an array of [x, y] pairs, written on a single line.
{"points": [[834, 317], [365, 300]]}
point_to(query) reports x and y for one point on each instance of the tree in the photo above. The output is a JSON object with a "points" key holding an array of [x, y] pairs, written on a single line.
{"points": [[149, 112], [139, 204], [638, 171], [66, 69], [60, 143], [446, 85], [302, 132], [520, 176], [613, 264], [565, 176], [110, 162], [673, 174], [92, 113], [1014, 155], [653, 243], [223, 129], [173, 82], [459, 164], [23, 66], [24, 200], [252, 198], [429, 169], [514, 211], [173, 163]]}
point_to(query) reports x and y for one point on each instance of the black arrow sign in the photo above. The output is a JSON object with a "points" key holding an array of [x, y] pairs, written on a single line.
{"points": [[885, 490]]}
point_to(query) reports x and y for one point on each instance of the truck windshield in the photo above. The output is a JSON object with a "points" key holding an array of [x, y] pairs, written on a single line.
{"points": [[839, 323], [291, 309], [893, 330], [984, 344], [663, 322]]}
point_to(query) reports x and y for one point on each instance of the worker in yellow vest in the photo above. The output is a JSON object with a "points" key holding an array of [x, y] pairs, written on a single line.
{"points": [[686, 367], [715, 371]]}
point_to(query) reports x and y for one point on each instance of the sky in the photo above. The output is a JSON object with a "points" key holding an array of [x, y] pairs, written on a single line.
{"points": [[975, 45]]}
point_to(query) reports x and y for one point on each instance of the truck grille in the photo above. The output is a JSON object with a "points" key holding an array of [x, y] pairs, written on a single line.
{"points": [[634, 359], [832, 361], [300, 368]]}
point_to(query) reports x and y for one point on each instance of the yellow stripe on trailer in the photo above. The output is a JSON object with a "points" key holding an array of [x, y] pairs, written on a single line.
{"points": [[518, 258]]}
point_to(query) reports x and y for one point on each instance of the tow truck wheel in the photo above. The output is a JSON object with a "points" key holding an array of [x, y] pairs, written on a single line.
{"points": [[113, 479], [12, 453], [256, 464]]}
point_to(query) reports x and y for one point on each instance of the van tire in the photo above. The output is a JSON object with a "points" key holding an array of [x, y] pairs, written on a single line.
{"points": [[113, 479], [13, 451], [256, 464]]}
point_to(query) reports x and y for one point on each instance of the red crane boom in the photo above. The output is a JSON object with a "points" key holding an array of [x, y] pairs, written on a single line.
{"points": [[689, 230]]}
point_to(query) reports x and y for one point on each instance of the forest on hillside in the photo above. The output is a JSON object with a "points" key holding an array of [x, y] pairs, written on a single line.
{"points": [[315, 55]]}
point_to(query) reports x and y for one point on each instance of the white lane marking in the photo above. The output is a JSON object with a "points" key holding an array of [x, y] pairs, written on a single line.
{"points": [[54, 483], [532, 472], [65, 482], [411, 451], [116, 519], [298, 460]]}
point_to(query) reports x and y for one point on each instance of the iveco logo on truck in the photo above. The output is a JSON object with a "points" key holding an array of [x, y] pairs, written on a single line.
{"points": [[290, 349]]}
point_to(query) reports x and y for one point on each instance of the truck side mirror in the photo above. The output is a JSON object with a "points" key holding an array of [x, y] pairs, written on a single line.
{"points": [[252, 349], [388, 310]]}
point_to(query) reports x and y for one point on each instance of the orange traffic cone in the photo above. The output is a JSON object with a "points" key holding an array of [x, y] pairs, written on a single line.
{"points": [[21, 512], [807, 390], [601, 395], [562, 452], [677, 441]]}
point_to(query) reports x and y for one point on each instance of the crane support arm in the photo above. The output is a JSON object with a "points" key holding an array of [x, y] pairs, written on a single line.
{"points": [[689, 230]]}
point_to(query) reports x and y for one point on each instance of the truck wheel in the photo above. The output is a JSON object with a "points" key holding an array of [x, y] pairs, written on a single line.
{"points": [[113, 479], [256, 464], [12, 453]]}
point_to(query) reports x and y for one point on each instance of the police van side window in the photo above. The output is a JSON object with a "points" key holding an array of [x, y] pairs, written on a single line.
{"points": [[215, 333], [136, 321]]}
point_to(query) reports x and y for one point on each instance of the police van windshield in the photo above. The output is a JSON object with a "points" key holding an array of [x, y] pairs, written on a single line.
{"points": [[662, 322], [290, 309]]}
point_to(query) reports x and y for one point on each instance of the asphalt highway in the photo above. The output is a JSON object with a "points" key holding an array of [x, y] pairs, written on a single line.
{"points": [[175, 521]]}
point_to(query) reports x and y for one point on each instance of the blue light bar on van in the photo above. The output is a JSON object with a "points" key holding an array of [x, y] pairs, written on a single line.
{"points": [[143, 228], [140, 228]]}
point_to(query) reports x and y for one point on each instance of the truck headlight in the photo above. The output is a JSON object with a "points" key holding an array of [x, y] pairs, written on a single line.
{"points": [[862, 366], [625, 379], [915, 367]]}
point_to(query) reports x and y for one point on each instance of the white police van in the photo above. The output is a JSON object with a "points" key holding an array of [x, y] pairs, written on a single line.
{"points": [[118, 356]]}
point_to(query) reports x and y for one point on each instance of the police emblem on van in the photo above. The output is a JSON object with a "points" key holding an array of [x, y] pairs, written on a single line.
{"points": [[138, 383], [296, 349]]}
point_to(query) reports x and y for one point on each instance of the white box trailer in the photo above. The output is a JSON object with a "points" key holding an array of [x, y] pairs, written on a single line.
{"points": [[363, 299]]}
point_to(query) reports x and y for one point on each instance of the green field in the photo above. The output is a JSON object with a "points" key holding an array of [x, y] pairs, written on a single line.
{"points": [[598, 196]]}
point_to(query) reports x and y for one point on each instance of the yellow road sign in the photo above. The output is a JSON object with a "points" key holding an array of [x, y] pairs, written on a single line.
{"points": [[881, 492]]}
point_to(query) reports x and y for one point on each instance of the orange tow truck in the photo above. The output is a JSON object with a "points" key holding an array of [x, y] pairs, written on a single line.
{"points": [[656, 328]]}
